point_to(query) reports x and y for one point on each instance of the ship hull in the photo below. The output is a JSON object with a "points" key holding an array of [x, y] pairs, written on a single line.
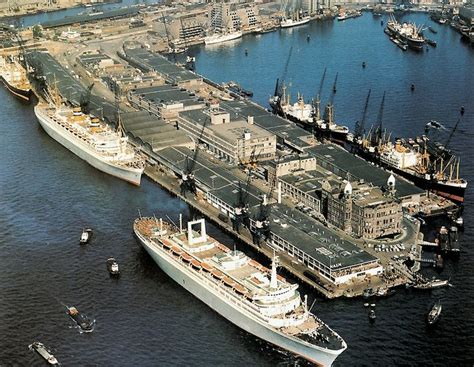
{"points": [[24, 95], [295, 23], [224, 38], [454, 193], [239, 317], [83, 151]]}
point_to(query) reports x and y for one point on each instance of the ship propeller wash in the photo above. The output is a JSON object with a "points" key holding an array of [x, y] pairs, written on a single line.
{"points": [[240, 289], [91, 139]]}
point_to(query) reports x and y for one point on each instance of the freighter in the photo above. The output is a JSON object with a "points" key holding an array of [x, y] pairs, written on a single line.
{"points": [[308, 115], [14, 77], [417, 161], [92, 140], [406, 32], [240, 289]]}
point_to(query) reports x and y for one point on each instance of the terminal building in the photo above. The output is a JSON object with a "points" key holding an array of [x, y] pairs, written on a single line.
{"points": [[234, 141]]}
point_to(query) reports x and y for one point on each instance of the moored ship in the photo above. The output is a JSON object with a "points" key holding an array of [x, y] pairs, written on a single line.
{"points": [[293, 22], [249, 295], [406, 32], [15, 79], [92, 140], [222, 37], [308, 115]]}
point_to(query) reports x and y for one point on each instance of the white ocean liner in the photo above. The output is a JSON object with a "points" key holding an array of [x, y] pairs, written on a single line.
{"points": [[246, 293], [290, 22], [92, 140]]}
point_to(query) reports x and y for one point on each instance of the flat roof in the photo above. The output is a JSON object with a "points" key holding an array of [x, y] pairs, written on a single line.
{"points": [[330, 156], [91, 17]]}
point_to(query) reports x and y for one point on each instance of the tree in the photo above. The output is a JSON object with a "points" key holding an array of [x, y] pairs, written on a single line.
{"points": [[37, 31]]}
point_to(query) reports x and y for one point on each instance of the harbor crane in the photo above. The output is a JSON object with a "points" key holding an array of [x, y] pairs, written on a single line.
{"points": [[261, 230], [360, 125], [241, 207], [190, 60], [279, 93], [317, 105], [329, 111], [85, 99], [378, 133], [188, 183]]}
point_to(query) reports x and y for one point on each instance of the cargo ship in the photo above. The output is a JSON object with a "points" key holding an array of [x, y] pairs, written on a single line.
{"points": [[91, 140], [308, 115], [240, 289], [15, 79], [408, 33], [416, 160]]}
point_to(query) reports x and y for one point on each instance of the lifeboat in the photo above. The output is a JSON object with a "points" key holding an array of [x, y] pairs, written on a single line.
{"points": [[166, 244], [206, 267], [228, 281], [187, 258], [240, 289], [176, 250], [281, 279], [196, 264], [217, 274]]}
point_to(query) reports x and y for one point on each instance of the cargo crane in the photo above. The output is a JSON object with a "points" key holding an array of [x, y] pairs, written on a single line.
{"points": [[241, 207], [377, 137], [446, 154], [360, 125], [329, 110], [261, 230], [188, 184], [85, 100], [317, 103], [168, 37], [279, 97]]}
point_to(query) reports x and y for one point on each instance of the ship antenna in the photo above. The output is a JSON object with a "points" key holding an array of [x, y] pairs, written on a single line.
{"points": [[273, 280], [139, 214], [172, 221]]}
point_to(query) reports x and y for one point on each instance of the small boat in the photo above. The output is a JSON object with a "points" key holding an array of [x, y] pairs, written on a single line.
{"points": [[369, 292], [434, 314], [366, 304], [85, 236], [430, 284], [431, 42], [432, 30], [112, 266], [372, 305], [372, 315], [80, 319], [43, 352]]}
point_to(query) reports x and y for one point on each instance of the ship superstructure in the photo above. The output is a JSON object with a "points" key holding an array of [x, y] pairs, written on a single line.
{"points": [[240, 289], [92, 140], [14, 77]]}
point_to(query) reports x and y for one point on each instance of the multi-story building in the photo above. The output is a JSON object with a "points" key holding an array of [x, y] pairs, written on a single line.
{"points": [[234, 141], [233, 15]]}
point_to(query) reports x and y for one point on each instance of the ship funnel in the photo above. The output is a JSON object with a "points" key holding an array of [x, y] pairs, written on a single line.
{"points": [[202, 237]]}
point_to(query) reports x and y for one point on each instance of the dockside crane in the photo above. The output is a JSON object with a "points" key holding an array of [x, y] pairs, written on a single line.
{"points": [[377, 137], [188, 183], [241, 207], [360, 125], [329, 110], [317, 102], [190, 60], [85, 99], [261, 230], [279, 93]]}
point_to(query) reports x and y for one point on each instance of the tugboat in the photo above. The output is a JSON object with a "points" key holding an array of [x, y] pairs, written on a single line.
{"points": [[81, 320], [112, 267], [43, 352], [434, 314], [372, 315], [85, 236]]}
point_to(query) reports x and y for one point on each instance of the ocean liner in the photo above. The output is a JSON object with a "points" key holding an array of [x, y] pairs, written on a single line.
{"points": [[14, 77], [92, 140], [243, 291]]}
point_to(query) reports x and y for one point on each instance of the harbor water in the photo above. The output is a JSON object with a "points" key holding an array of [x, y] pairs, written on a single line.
{"points": [[143, 318]]}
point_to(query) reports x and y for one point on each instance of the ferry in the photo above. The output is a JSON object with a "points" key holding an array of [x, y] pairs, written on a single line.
{"points": [[92, 140], [15, 79], [240, 289], [43, 352]]}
